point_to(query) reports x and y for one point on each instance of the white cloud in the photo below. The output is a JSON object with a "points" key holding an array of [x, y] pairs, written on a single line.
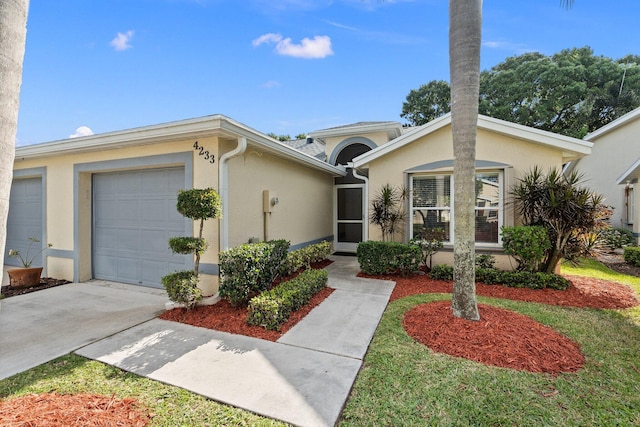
{"points": [[81, 131], [267, 38], [271, 84], [317, 47], [122, 41]]}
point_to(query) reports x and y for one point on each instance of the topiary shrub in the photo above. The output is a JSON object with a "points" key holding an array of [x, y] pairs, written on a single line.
{"points": [[632, 255], [271, 309], [182, 287], [388, 257], [249, 269], [195, 204]]}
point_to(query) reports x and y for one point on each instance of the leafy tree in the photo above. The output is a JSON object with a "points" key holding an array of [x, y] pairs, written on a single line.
{"points": [[279, 137], [429, 102], [568, 212], [13, 35], [301, 136], [572, 92], [465, 31]]}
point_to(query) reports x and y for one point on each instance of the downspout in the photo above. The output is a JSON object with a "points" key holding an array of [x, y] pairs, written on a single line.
{"points": [[365, 195], [223, 189]]}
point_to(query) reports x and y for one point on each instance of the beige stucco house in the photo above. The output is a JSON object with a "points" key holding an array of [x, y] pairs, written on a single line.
{"points": [[613, 168], [107, 202]]}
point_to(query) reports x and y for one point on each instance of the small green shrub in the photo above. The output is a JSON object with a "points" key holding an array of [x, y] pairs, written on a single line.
{"points": [[632, 255], [388, 257], [249, 269], [527, 244], [430, 242], [490, 276], [616, 237], [188, 245], [485, 261], [304, 257], [182, 287], [271, 309], [441, 272]]}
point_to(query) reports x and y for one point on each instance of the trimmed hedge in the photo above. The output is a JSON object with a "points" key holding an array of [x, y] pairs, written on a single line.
{"points": [[388, 257], [632, 255], [302, 258], [249, 269], [271, 309], [512, 279]]}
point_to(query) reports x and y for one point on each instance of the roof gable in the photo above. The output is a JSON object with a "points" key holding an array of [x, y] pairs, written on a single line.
{"points": [[216, 125], [571, 147]]}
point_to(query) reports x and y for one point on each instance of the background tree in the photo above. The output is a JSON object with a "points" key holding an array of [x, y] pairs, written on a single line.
{"points": [[13, 35], [572, 92], [465, 33], [429, 102]]}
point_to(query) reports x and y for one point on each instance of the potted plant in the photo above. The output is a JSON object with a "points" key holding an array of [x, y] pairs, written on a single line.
{"points": [[26, 276]]}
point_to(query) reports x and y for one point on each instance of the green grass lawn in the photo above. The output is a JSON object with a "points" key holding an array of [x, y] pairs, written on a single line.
{"points": [[403, 383], [171, 406]]}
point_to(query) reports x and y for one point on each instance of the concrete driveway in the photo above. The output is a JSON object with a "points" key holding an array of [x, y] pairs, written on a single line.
{"points": [[43, 325]]}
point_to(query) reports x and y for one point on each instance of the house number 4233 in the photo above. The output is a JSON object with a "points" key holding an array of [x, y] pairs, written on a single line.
{"points": [[204, 153]]}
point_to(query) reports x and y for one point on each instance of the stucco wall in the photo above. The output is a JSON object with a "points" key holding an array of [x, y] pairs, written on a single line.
{"points": [[303, 213], [378, 138], [437, 146], [69, 196]]}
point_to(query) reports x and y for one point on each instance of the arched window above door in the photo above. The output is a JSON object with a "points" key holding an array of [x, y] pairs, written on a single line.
{"points": [[350, 148]]}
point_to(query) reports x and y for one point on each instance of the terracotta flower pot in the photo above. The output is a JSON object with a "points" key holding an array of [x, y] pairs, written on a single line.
{"points": [[24, 277]]}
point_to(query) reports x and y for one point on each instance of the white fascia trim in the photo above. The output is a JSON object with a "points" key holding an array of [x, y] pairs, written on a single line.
{"points": [[403, 140], [215, 125], [565, 143], [635, 167], [279, 148], [392, 129], [572, 147], [202, 126], [620, 121]]}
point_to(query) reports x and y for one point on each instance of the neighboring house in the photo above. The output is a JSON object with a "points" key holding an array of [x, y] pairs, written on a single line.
{"points": [[107, 202], [613, 168]]}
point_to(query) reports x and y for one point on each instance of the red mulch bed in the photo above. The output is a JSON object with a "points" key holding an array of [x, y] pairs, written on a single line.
{"points": [[503, 338], [583, 292], [87, 410], [500, 338], [222, 316]]}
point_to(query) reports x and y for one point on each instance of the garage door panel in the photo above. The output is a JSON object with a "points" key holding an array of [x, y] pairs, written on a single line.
{"points": [[131, 241], [25, 217]]}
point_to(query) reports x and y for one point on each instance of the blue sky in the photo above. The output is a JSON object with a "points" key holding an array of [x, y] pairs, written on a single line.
{"points": [[282, 66]]}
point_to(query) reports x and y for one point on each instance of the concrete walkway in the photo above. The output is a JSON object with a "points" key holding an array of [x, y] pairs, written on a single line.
{"points": [[44, 325], [303, 379]]}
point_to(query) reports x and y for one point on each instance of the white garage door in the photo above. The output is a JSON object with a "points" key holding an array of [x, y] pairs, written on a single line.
{"points": [[25, 218], [134, 214]]}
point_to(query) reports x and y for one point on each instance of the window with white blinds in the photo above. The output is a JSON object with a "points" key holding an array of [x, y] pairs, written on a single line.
{"points": [[432, 205]]}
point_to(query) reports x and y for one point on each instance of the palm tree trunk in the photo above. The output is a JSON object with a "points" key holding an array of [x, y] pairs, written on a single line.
{"points": [[465, 29], [13, 34]]}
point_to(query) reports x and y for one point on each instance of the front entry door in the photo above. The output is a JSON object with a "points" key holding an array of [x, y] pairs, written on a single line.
{"points": [[349, 214]]}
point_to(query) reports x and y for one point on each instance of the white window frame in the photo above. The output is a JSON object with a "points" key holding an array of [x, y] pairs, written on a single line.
{"points": [[499, 209]]}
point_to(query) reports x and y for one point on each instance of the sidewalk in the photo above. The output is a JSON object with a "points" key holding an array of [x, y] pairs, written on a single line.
{"points": [[303, 379]]}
